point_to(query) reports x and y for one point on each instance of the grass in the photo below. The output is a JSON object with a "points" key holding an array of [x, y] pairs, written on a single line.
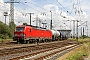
{"points": [[5, 40], [80, 39], [71, 39], [81, 51]]}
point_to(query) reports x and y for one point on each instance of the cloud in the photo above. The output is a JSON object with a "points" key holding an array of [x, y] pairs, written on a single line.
{"points": [[48, 6], [84, 15], [1, 1]]}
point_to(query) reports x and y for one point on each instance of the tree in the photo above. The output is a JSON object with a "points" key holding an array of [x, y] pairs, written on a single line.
{"points": [[4, 30], [7, 31], [12, 28]]}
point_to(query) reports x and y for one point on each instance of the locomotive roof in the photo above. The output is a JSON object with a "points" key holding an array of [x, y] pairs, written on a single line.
{"points": [[32, 26], [36, 27], [21, 26]]}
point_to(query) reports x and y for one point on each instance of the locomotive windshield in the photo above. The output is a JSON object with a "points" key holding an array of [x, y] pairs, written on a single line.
{"points": [[20, 29]]}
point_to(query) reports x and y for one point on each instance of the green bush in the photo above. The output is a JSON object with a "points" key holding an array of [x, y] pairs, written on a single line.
{"points": [[2, 36]]}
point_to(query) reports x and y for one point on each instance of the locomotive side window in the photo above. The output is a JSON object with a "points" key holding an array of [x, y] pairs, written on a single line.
{"points": [[20, 29]]}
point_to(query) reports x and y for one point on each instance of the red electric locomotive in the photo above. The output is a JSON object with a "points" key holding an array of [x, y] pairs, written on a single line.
{"points": [[28, 33]]}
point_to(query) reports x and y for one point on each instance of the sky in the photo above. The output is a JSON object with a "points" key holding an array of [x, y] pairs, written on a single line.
{"points": [[62, 10]]}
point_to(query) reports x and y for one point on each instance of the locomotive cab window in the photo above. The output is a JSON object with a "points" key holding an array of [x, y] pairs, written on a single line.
{"points": [[20, 29]]}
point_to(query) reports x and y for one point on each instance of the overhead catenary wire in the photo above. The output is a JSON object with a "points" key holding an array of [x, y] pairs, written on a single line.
{"points": [[40, 7], [72, 8], [64, 9], [15, 9], [37, 5], [62, 5], [34, 8], [31, 7]]}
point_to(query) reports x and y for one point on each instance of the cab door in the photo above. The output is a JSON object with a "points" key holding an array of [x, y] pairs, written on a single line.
{"points": [[30, 33]]}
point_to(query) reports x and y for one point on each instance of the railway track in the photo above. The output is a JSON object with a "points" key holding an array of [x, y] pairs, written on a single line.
{"points": [[49, 54], [35, 52]]}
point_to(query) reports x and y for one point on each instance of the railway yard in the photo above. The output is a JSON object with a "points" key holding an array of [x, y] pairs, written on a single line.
{"points": [[48, 51], [44, 30]]}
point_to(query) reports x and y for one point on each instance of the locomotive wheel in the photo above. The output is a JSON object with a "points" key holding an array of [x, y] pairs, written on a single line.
{"points": [[41, 41], [17, 41], [20, 41], [30, 41], [37, 41], [27, 41]]}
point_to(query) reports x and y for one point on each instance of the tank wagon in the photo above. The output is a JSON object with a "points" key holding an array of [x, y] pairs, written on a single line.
{"points": [[55, 35], [29, 33]]}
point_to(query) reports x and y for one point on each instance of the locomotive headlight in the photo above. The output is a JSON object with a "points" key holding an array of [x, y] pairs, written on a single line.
{"points": [[16, 35], [22, 34]]}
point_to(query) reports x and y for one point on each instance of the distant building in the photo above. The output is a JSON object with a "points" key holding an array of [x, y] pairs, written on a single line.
{"points": [[65, 32]]}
